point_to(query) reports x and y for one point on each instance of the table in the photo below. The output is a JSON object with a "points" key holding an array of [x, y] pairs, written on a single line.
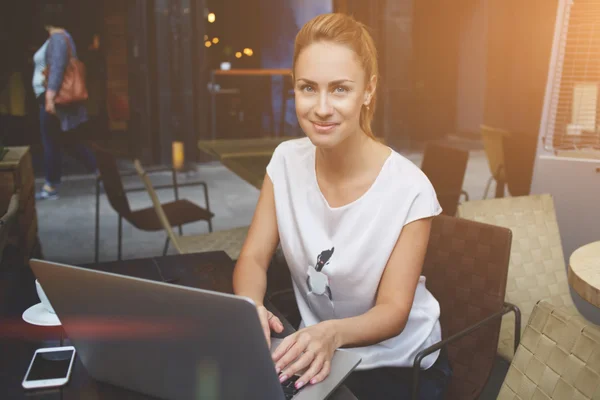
{"points": [[584, 272], [18, 340], [245, 72], [247, 158]]}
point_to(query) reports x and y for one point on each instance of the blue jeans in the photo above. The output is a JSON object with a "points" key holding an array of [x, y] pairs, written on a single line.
{"points": [[396, 383], [53, 139]]}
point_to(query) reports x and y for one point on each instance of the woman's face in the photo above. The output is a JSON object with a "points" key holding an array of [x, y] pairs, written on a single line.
{"points": [[330, 90]]}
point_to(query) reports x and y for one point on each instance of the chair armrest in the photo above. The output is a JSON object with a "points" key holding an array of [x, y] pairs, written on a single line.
{"points": [[507, 308], [158, 187]]}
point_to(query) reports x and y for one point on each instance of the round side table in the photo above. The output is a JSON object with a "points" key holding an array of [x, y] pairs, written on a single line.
{"points": [[584, 272]]}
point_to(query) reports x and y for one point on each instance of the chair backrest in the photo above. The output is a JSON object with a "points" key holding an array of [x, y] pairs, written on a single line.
{"points": [[445, 166], [160, 212], [112, 182], [493, 144], [558, 358], [519, 158], [537, 267], [466, 266]]}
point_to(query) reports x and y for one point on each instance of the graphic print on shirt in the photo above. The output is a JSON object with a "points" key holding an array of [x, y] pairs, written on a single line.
{"points": [[317, 280]]}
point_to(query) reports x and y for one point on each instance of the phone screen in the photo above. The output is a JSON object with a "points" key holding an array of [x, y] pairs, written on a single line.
{"points": [[50, 365]]}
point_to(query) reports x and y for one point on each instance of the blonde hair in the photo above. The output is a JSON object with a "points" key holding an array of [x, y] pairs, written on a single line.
{"points": [[345, 30]]}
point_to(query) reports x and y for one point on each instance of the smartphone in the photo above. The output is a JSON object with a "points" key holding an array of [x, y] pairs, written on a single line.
{"points": [[49, 367]]}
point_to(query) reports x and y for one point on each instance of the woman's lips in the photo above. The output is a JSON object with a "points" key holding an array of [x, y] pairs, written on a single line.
{"points": [[324, 127]]}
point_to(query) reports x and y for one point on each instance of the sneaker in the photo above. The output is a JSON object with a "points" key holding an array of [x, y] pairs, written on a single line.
{"points": [[45, 194]]}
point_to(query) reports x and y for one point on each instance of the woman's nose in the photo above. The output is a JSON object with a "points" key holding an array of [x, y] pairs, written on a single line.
{"points": [[324, 108]]}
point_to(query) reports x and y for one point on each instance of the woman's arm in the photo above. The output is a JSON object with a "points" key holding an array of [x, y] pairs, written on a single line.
{"points": [[395, 293], [57, 59], [250, 273]]}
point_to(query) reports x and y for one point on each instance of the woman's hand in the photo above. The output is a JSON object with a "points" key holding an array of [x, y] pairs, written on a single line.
{"points": [[50, 107], [269, 321], [310, 348]]}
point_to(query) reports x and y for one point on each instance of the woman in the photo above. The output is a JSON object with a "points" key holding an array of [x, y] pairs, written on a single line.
{"points": [[56, 120], [353, 218]]}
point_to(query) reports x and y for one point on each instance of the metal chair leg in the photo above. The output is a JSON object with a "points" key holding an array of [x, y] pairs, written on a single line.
{"points": [[500, 189], [210, 228], [166, 247], [120, 237], [487, 187]]}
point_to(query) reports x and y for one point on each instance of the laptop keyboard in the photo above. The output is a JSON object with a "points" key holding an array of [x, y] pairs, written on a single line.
{"points": [[288, 387]]}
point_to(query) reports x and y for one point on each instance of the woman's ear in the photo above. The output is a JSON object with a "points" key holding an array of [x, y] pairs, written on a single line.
{"points": [[370, 90]]}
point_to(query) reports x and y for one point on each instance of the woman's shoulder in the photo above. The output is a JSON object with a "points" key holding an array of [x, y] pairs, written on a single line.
{"points": [[405, 173], [405, 180], [291, 156], [294, 148], [59, 37]]}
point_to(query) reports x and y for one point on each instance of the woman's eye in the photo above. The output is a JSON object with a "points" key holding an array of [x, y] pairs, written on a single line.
{"points": [[306, 88], [340, 89]]}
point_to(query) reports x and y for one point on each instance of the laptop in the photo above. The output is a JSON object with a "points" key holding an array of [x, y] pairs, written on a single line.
{"points": [[169, 341]]}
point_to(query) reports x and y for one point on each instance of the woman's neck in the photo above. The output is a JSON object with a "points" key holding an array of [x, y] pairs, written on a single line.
{"points": [[347, 159]]}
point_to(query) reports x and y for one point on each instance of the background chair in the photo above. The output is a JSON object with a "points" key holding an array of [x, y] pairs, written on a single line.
{"points": [[230, 241], [493, 144], [537, 268], [511, 156], [519, 158], [466, 267], [558, 358], [179, 212], [445, 166]]}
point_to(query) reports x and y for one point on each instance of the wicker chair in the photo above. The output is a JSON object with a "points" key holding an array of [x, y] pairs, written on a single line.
{"points": [[511, 156], [558, 358], [230, 241], [445, 166], [179, 212], [466, 267], [519, 158], [493, 144], [537, 268]]}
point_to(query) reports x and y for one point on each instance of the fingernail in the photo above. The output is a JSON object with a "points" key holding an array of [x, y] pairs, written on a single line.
{"points": [[299, 385], [278, 370], [283, 378], [313, 381]]}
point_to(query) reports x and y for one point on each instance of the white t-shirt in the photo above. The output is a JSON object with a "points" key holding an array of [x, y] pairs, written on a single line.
{"points": [[39, 60], [337, 256]]}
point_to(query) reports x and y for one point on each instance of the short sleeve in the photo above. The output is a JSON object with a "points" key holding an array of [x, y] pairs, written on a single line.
{"points": [[424, 204], [57, 57], [274, 168]]}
